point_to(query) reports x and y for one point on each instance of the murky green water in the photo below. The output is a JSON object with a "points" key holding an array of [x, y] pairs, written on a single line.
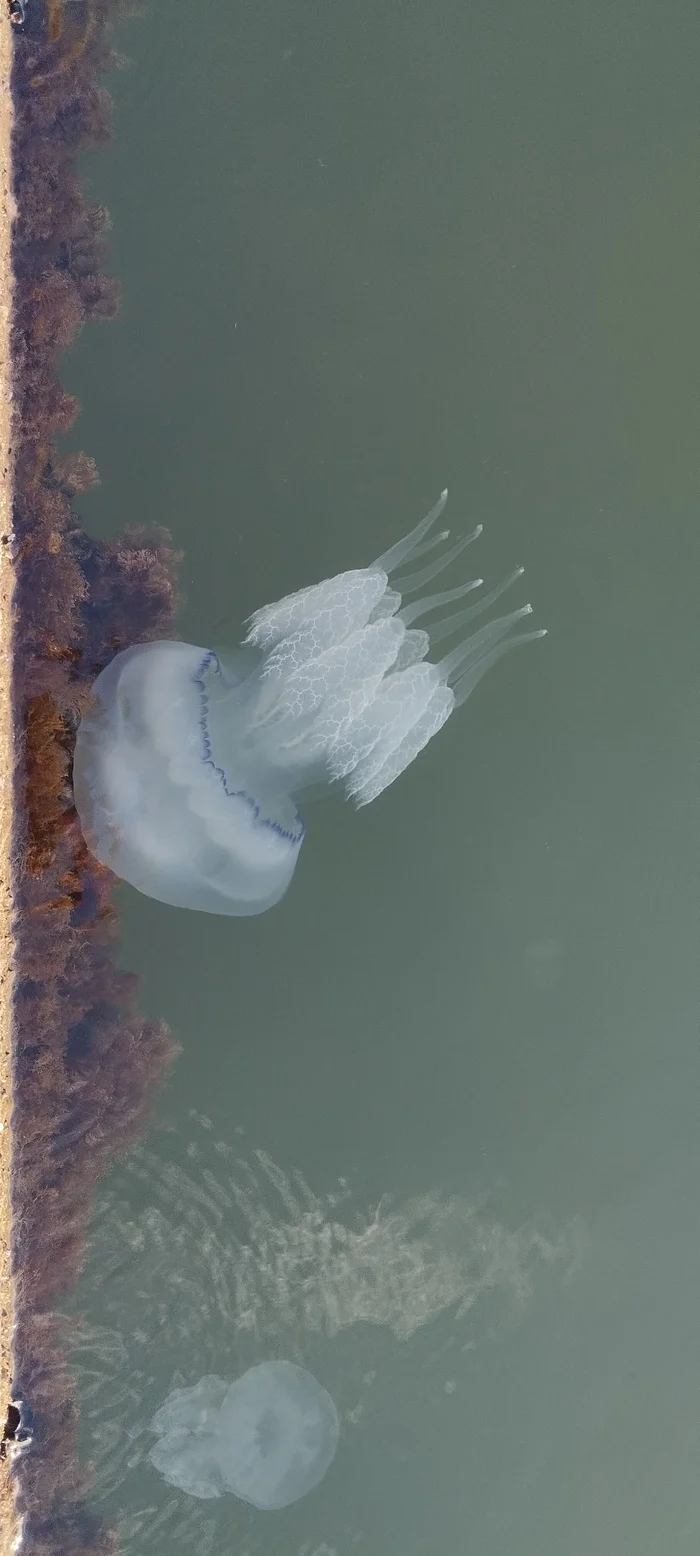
{"points": [[434, 1127]]}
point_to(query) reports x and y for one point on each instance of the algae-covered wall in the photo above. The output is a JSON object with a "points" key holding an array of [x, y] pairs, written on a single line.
{"points": [[7, 1511], [78, 1061]]}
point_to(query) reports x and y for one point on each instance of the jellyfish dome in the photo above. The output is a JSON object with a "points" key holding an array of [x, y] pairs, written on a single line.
{"points": [[190, 765], [269, 1437]]}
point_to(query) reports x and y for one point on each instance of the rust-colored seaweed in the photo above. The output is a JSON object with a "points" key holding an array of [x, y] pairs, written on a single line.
{"points": [[85, 1061]]}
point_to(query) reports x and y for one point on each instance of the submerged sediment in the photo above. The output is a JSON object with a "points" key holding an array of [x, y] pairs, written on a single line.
{"points": [[78, 1061]]}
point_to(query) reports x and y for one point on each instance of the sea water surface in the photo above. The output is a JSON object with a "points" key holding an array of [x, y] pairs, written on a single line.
{"points": [[433, 1132]]}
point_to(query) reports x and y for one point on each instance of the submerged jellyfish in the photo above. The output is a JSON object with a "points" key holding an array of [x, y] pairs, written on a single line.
{"points": [[189, 764], [269, 1437]]}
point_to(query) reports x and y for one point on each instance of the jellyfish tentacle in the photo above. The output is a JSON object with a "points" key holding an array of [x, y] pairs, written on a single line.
{"points": [[464, 686], [413, 581], [429, 545], [474, 646], [397, 553], [430, 602], [449, 624]]}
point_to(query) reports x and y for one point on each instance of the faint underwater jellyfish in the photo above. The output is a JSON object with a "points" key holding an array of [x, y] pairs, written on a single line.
{"points": [[189, 765], [269, 1437]]}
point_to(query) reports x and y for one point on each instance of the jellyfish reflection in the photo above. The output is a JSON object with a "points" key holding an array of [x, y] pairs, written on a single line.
{"points": [[269, 1437], [190, 765]]}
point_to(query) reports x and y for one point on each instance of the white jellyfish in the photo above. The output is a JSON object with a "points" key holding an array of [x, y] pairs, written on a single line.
{"points": [[269, 1437], [189, 764]]}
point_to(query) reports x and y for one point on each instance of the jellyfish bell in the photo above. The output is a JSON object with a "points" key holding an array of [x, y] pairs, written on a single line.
{"points": [[154, 803], [280, 1430], [190, 764], [268, 1438]]}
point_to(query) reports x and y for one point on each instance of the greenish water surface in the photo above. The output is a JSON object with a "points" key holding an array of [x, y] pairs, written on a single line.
{"points": [[434, 1127]]}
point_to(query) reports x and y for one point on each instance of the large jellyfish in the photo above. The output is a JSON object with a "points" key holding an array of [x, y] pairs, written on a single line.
{"points": [[269, 1437], [189, 764]]}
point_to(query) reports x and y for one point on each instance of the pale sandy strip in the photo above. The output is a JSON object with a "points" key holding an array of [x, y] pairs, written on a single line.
{"points": [[8, 1521]]}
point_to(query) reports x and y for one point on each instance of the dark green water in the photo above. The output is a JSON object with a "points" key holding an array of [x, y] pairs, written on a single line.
{"points": [[367, 251]]}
